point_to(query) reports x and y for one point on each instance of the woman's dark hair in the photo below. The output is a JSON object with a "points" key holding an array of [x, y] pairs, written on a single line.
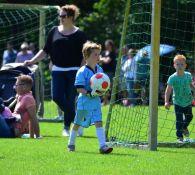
{"points": [[110, 42], [71, 10]]}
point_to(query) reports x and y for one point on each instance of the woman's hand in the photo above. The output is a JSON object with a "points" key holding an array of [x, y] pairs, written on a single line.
{"points": [[27, 63]]}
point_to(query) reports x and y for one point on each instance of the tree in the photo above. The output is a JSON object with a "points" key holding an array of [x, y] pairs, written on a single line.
{"points": [[105, 21]]}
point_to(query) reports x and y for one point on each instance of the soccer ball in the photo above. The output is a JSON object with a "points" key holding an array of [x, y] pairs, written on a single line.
{"points": [[100, 82]]}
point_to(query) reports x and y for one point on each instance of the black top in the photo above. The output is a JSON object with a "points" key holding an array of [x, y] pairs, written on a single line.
{"points": [[110, 67], [65, 50]]}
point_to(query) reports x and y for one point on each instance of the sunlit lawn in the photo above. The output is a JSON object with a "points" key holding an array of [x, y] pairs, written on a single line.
{"points": [[49, 156]]}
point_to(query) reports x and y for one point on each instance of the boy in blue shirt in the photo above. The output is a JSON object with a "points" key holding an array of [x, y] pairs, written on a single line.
{"points": [[181, 83], [88, 104]]}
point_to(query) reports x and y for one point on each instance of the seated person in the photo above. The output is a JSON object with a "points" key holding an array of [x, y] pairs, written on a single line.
{"points": [[9, 55], [5, 129], [26, 108], [24, 54]]}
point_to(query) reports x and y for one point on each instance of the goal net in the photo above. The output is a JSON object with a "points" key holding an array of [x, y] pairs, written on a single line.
{"points": [[29, 23], [128, 117]]}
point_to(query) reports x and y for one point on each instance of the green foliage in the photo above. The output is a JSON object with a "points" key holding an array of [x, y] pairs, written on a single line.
{"points": [[107, 18], [105, 21]]}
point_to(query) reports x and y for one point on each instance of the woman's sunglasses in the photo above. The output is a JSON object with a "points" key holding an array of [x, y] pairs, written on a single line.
{"points": [[63, 16]]}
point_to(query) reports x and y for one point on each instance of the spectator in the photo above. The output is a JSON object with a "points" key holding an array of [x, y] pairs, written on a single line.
{"points": [[181, 84], [32, 48], [4, 110], [5, 130], [142, 68], [192, 71], [25, 108], [89, 104], [9, 55], [64, 46], [122, 81], [24, 54], [129, 74], [108, 63], [6, 121]]}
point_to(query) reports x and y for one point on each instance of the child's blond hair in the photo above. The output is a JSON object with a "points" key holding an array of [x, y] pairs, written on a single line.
{"points": [[179, 57], [88, 47]]}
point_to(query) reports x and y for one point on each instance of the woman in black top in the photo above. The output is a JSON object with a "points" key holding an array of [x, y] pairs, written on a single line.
{"points": [[64, 46]]}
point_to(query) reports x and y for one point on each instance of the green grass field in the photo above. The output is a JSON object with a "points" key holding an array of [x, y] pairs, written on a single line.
{"points": [[48, 156]]}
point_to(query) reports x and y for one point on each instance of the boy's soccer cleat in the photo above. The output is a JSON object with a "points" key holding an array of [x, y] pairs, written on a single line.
{"points": [[71, 148], [186, 132], [105, 150]]}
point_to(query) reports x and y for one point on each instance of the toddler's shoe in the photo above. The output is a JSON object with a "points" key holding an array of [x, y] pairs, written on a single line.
{"points": [[71, 148]]}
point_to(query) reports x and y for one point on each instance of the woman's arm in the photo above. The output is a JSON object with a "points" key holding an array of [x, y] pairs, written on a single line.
{"points": [[192, 85], [105, 60], [38, 57]]}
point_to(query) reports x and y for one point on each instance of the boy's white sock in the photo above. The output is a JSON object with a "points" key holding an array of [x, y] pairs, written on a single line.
{"points": [[101, 136], [72, 138]]}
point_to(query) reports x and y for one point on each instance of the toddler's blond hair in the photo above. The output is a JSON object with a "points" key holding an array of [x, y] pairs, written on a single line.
{"points": [[179, 57]]}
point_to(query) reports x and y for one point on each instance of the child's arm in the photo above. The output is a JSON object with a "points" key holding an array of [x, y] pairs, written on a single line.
{"points": [[81, 90], [90, 93], [34, 124], [192, 85], [167, 96]]}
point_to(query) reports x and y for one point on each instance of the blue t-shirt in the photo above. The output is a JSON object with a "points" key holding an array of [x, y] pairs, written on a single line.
{"points": [[182, 94], [9, 57], [82, 80]]}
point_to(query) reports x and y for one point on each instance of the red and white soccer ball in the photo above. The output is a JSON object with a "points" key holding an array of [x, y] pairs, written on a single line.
{"points": [[100, 82]]}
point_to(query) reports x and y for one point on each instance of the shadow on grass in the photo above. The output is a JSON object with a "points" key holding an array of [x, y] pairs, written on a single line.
{"points": [[58, 136], [89, 137], [54, 136], [111, 154]]}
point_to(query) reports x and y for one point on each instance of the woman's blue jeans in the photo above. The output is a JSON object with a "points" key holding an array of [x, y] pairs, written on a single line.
{"points": [[64, 94]]}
